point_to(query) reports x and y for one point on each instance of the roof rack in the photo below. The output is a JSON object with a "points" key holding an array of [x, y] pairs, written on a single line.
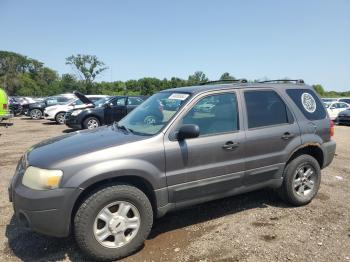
{"points": [[243, 80], [297, 81]]}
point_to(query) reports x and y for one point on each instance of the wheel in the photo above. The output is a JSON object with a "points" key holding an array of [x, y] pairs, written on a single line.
{"points": [[113, 222], [59, 118], [36, 114], [91, 123], [301, 180]]}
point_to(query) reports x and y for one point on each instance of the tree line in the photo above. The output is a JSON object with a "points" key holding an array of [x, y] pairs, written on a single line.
{"points": [[24, 76]]}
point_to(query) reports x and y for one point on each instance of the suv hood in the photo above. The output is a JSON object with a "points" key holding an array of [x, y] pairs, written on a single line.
{"points": [[51, 151], [83, 98]]}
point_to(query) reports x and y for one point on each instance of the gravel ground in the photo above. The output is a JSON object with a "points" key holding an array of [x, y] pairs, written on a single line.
{"points": [[250, 227]]}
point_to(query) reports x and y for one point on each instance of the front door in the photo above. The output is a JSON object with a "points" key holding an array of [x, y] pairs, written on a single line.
{"points": [[212, 164], [115, 110]]}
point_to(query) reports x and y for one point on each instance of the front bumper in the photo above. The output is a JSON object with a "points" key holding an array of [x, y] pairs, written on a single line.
{"points": [[344, 120], [44, 211], [49, 115], [72, 122], [328, 149]]}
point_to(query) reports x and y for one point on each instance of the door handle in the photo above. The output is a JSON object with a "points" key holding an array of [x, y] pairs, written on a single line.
{"points": [[287, 136], [230, 145]]}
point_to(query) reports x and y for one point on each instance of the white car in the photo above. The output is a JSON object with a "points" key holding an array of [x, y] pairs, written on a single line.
{"points": [[57, 112], [334, 108]]}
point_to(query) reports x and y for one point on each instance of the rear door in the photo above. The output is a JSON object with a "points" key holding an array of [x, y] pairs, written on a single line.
{"points": [[271, 133]]}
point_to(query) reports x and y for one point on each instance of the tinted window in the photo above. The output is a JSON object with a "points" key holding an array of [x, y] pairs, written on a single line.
{"points": [[265, 108], [119, 101], [214, 114], [134, 101], [311, 107], [346, 100]]}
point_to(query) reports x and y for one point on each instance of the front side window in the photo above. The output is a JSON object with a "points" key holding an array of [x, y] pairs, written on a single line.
{"points": [[134, 101], [265, 108], [118, 101], [214, 114]]}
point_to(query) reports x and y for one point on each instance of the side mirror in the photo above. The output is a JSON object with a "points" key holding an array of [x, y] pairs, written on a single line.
{"points": [[188, 131], [332, 107], [108, 105]]}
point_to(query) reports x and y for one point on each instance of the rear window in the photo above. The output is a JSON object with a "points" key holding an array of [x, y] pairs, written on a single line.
{"points": [[308, 103], [266, 108]]}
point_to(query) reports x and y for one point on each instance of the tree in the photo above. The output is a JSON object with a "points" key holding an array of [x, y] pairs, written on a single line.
{"points": [[197, 78], [319, 89], [227, 76], [87, 67]]}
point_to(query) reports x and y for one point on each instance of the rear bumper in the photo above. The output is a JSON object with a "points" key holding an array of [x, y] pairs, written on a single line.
{"points": [[344, 120], [328, 149]]}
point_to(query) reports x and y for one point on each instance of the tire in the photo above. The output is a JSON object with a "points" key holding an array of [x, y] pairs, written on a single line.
{"points": [[59, 118], [35, 114], [91, 123], [296, 188], [86, 222]]}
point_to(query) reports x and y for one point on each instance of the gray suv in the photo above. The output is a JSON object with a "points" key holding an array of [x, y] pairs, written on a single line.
{"points": [[109, 184]]}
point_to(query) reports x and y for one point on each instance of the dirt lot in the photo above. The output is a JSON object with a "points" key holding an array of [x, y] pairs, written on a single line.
{"points": [[251, 227]]}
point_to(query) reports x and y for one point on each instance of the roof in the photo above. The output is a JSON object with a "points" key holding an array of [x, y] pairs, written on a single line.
{"points": [[205, 88]]}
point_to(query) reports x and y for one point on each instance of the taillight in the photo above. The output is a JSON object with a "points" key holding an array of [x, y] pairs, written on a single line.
{"points": [[4, 106], [331, 129]]}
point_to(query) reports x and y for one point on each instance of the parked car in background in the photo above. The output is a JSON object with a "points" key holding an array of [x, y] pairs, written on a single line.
{"points": [[329, 100], [57, 112], [334, 108], [15, 106], [108, 185], [104, 112], [36, 110], [4, 108], [344, 117], [345, 100]]}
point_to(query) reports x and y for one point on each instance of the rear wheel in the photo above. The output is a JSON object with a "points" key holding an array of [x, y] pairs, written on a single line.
{"points": [[35, 114], [302, 178], [113, 222], [59, 118], [91, 123]]}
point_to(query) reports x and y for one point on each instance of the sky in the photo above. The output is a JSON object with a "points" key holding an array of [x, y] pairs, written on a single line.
{"points": [[251, 39]]}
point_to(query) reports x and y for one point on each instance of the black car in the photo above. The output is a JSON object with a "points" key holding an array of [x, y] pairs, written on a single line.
{"points": [[344, 117], [36, 110], [103, 112], [15, 106]]}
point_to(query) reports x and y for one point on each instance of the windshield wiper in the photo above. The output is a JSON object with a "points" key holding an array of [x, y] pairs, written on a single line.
{"points": [[123, 127]]}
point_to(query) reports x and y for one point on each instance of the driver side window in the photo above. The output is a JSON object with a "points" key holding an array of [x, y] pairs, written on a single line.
{"points": [[214, 114]]}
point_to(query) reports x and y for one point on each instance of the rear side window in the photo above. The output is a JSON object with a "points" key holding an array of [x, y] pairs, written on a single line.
{"points": [[308, 102], [265, 108]]}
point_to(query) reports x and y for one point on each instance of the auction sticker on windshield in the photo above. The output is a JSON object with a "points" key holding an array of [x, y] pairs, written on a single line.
{"points": [[178, 96]]}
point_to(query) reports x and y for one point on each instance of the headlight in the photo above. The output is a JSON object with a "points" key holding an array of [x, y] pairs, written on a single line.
{"points": [[41, 179], [76, 112]]}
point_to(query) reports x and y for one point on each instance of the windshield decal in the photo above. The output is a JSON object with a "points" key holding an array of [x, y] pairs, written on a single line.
{"points": [[178, 96], [308, 102]]}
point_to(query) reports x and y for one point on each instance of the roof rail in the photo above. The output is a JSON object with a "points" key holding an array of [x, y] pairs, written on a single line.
{"points": [[297, 81], [243, 80]]}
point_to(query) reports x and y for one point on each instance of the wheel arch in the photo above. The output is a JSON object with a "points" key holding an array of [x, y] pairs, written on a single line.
{"points": [[312, 149], [132, 180]]}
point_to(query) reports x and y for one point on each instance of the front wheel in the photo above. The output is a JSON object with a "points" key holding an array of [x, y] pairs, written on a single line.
{"points": [[35, 114], [60, 118], [301, 181], [113, 222], [91, 123]]}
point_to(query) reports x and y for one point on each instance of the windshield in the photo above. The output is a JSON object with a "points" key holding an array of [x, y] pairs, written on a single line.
{"points": [[153, 114]]}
